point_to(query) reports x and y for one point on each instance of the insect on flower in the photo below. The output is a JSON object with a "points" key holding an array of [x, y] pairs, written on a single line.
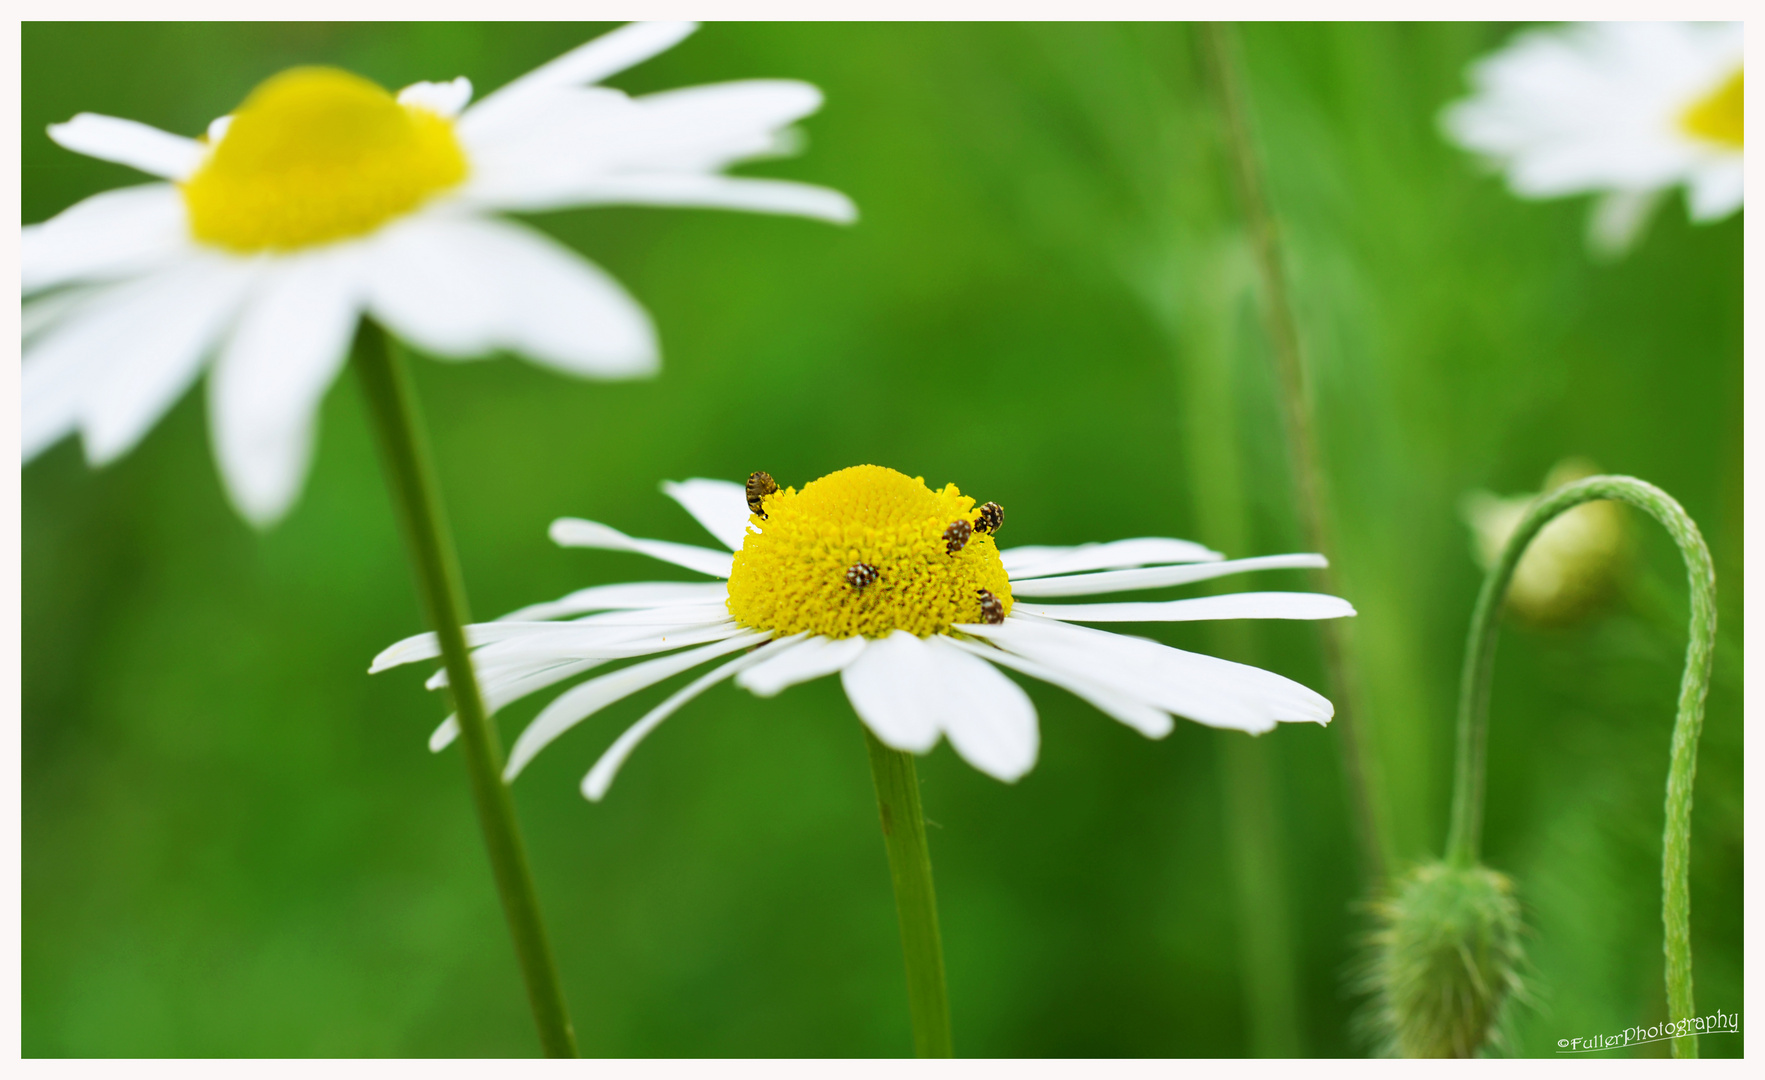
{"points": [[919, 661]]}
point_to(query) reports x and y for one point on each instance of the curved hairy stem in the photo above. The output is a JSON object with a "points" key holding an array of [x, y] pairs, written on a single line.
{"points": [[411, 476], [1467, 804]]}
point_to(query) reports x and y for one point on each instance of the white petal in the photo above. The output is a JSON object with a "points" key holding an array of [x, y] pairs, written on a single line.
{"points": [[1249, 605], [705, 128], [1152, 722], [606, 55], [810, 659], [1617, 220], [443, 737], [505, 690], [1203, 688], [631, 594], [892, 686], [693, 189], [575, 532], [580, 702], [130, 354], [40, 313], [53, 384], [292, 339], [113, 234], [1039, 561], [720, 506], [611, 643], [1158, 576], [427, 646], [599, 778], [131, 143], [989, 718], [1716, 191], [442, 99], [462, 287], [547, 639]]}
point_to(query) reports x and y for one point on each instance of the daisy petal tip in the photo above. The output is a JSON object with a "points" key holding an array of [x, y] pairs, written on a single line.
{"points": [[444, 736], [595, 785]]}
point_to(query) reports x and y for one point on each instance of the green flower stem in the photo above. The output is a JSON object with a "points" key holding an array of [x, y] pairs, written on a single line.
{"points": [[392, 403], [1372, 830], [1467, 804], [910, 865]]}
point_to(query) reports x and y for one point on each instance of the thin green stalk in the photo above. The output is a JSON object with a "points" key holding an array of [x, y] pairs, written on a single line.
{"points": [[409, 473], [910, 865], [1214, 279], [1473, 731], [1371, 828], [1265, 941]]}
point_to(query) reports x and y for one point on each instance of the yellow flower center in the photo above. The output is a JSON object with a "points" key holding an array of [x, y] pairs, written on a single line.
{"points": [[316, 155], [797, 574], [1717, 117]]}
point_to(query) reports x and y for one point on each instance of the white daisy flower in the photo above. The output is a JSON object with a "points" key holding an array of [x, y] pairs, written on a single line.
{"points": [[324, 198], [1624, 110], [902, 592]]}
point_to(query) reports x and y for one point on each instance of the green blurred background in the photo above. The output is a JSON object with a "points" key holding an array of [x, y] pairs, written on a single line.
{"points": [[235, 843]]}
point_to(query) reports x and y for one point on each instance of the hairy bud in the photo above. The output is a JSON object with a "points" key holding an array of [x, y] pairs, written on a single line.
{"points": [[1444, 961]]}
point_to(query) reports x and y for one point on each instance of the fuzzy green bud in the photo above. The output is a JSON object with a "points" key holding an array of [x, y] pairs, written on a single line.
{"points": [[1445, 961], [1573, 562]]}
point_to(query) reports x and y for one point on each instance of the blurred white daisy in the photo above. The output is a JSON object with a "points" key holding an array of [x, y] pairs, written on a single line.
{"points": [[323, 198], [901, 591], [1626, 111]]}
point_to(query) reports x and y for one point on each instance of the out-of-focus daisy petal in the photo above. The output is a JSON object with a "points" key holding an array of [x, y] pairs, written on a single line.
{"points": [[720, 506], [575, 532], [892, 686], [442, 99], [291, 340], [1038, 561], [1716, 191], [580, 702], [461, 287], [1251, 605], [637, 594], [710, 127], [811, 658], [1618, 219], [113, 234], [988, 718], [132, 143], [606, 55], [150, 336], [712, 192], [1158, 576], [39, 313]]}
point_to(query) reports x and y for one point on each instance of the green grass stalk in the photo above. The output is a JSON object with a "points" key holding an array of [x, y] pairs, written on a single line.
{"points": [[1310, 496]]}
